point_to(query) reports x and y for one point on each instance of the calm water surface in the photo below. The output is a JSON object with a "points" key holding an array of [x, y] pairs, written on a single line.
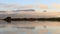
{"points": [[30, 27]]}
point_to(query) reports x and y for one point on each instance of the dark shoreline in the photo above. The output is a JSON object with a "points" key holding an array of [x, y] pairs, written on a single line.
{"points": [[9, 19]]}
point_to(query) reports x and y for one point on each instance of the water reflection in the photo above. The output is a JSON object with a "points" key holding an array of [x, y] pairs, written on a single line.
{"points": [[40, 27]]}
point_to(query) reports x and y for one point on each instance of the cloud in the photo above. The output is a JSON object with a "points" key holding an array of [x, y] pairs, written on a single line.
{"points": [[16, 6], [43, 6], [13, 6], [54, 5], [28, 6], [39, 14]]}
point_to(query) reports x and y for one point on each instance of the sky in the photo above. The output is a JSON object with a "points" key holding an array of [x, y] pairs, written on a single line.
{"points": [[37, 4], [26, 2]]}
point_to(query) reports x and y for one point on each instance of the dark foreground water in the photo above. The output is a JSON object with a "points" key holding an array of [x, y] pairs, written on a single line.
{"points": [[30, 27]]}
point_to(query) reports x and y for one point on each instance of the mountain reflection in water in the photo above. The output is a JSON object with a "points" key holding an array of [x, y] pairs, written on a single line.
{"points": [[37, 27]]}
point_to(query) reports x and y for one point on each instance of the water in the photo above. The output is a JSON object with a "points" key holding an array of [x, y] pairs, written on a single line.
{"points": [[29, 27]]}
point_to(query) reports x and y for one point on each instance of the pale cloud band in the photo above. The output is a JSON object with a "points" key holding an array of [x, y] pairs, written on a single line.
{"points": [[41, 6]]}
